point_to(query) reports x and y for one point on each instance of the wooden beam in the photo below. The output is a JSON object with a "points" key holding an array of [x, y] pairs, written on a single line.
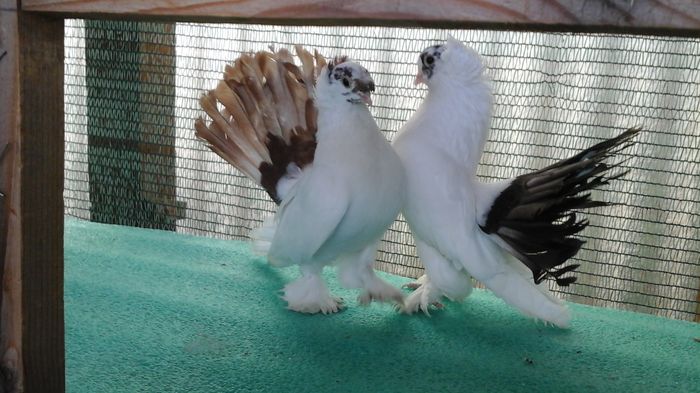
{"points": [[640, 16], [31, 112]]}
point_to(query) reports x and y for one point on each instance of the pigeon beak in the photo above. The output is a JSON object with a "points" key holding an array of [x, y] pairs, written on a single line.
{"points": [[366, 98], [419, 79]]}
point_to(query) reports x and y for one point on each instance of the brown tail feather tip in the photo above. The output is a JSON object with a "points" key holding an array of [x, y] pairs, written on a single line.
{"points": [[229, 153], [263, 102]]}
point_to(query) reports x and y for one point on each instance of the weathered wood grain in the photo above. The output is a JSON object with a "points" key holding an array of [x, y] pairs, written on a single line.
{"points": [[682, 16], [8, 5], [10, 225], [38, 190]]}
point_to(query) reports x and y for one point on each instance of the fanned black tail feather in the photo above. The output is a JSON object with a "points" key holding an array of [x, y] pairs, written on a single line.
{"points": [[535, 214]]}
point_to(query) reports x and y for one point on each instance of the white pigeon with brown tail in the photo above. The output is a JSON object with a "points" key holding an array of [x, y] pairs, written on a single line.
{"points": [[510, 235], [305, 134]]}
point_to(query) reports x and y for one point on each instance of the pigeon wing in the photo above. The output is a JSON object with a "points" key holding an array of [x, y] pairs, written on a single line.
{"points": [[307, 223]]}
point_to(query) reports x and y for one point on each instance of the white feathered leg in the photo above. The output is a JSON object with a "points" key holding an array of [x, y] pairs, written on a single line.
{"points": [[442, 278], [309, 294], [261, 237], [356, 271]]}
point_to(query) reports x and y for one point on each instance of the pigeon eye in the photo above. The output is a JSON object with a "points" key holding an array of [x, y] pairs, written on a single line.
{"points": [[346, 82], [429, 60]]}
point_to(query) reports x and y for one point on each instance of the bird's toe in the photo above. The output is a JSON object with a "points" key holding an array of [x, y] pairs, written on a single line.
{"points": [[412, 285], [422, 299], [387, 294]]}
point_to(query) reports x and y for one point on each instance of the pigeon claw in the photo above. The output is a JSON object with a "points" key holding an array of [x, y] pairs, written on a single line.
{"points": [[422, 299], [387, 296], [412, 285], [331, 305], [309, 295]]}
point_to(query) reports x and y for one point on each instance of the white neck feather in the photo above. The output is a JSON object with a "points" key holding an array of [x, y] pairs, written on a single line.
{"points": [[456, 119], [336, 113]]}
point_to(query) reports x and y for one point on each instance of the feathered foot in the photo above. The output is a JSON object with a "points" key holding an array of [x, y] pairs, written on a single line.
{"points": [[308, 294], [412, 285], [355, 271], [415, 284], [441, 279], [378, 290], [423, 296]]}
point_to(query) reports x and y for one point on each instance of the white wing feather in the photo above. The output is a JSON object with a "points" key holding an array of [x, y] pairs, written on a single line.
{"points": [[307, 218]]}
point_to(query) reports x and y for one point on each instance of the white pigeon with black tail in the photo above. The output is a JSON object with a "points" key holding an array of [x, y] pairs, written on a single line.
{"points": [[306, 136], [509, 235]]}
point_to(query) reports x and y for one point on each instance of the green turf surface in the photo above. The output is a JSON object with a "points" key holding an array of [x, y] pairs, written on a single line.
{"points": [[154, 311]]}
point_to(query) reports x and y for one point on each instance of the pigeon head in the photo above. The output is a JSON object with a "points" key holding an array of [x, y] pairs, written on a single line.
{"points": [[348, 81], [429, 60], [449, 63]]}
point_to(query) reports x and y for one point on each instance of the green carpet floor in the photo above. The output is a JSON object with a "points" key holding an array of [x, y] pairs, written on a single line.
{"points": [[154, 311]]}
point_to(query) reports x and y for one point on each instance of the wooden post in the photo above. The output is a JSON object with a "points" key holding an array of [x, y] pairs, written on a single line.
{"points": [[130, 77], [41, 198], [157, 121], [31, 109], [10, 296]]}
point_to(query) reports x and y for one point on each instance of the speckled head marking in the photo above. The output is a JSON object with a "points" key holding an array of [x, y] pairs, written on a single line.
{"points": [[357, 84], [449, 64], [333, 63], [428, 59]]}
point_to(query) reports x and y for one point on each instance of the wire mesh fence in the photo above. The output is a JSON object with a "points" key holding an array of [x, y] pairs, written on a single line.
{"points": [[132, 91]]}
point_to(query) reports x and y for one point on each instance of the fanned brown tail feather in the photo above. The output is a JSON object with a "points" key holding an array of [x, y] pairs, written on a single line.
{"points": [[262, 116], [535, 215]]}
